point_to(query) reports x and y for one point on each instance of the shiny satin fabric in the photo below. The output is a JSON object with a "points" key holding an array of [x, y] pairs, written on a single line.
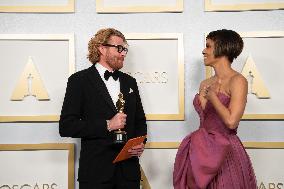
{"points": [[212, 157]]}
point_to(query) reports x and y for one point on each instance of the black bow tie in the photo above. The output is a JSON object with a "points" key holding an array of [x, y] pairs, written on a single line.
{"points": [[114, 75]]}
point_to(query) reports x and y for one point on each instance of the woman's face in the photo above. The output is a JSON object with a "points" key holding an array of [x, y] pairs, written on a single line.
{"points": [[208, 53]]}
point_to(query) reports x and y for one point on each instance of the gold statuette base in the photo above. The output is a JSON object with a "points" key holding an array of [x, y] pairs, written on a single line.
{"points": [[119, 137]]}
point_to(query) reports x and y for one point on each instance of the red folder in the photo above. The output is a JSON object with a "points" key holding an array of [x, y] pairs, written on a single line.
{"points": [[123, 154]]}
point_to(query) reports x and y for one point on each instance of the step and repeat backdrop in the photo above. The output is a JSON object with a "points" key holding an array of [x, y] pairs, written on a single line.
{"points": [[35, 68], [37, 166]]}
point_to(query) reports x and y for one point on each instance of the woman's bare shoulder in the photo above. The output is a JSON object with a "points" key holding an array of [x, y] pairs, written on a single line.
{"points": [[238, 78], [206, 82], [238, 83]]}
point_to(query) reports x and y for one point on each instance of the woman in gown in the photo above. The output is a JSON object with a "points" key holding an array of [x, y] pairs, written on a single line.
{"points": [[213, 157]]}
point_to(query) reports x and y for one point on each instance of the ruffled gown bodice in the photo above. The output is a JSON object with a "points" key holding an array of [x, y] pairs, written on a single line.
{"points": [[210, 156], [209, 119]]}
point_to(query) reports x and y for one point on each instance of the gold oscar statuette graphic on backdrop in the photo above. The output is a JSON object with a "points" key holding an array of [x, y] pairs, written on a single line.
{"points": [[119, 136], [30, 84], [256, 85]]}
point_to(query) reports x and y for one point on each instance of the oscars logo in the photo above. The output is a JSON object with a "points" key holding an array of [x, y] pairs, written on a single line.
{"points": [[256, 85], [30, 84]]}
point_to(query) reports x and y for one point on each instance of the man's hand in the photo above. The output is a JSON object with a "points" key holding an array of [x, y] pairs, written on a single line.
{"points": [[117, 122], [136, 150]]}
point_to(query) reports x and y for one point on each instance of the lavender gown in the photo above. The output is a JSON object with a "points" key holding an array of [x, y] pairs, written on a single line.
{"points": [[212, 157]]}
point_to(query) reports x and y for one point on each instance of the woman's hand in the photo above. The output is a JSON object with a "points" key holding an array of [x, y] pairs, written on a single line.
{"points": [[211, 91]]}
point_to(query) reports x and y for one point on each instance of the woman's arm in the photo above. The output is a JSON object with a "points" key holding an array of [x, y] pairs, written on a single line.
{"points": [[238, 90]]}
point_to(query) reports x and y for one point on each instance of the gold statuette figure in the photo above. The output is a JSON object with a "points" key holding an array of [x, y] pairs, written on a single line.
{"points": [[120, 136]]}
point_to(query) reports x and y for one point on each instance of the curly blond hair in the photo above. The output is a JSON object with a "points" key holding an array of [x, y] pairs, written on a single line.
{"points": [[101, 37]]}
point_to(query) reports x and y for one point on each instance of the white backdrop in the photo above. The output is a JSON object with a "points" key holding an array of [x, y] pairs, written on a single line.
{"points": [[46, 167], [193, 23]]}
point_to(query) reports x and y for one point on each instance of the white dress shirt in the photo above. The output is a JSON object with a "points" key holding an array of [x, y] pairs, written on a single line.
{"points": [[113, 86]]}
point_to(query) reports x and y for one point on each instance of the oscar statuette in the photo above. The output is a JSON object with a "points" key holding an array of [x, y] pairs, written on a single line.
{"points": [[120, 136]]}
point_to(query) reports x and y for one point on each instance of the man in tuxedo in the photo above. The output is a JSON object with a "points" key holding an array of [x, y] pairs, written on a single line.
{"points": [[89, 113]]}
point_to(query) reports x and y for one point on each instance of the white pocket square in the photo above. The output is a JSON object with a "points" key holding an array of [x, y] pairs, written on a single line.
{"points": [[130, 90]]}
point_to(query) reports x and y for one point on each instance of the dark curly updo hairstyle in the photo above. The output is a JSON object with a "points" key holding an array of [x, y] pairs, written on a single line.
{"points": [[227, 43], [101, 37]]}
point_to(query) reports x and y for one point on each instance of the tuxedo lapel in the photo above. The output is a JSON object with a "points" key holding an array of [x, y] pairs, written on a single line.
{"points": [[125, 90], [96, 79]]}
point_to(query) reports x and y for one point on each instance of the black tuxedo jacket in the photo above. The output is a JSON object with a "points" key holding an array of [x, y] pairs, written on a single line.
{"points": [[86, 107]]}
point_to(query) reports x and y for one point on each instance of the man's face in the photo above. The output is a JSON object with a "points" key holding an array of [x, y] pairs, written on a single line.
{"points": [[113, 57]]}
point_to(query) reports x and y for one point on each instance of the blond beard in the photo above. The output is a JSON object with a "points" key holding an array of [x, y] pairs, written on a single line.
{"points": [[114, 63]]}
